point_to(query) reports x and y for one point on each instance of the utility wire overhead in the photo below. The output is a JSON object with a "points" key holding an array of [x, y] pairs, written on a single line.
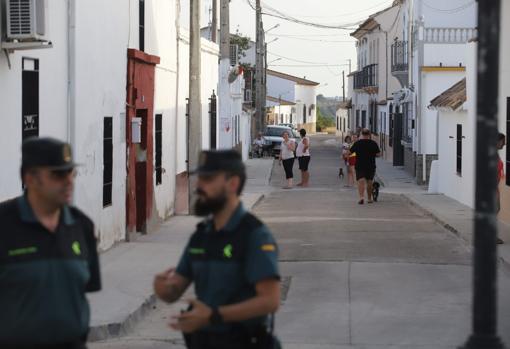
{"points": [[275, 13], [385, 3], [449, 11]]}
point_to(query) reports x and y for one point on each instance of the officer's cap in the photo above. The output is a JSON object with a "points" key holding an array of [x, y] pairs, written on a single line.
{"points": [[213, 161], [46, 152]]}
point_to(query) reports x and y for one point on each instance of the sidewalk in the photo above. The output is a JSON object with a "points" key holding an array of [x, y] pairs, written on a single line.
{"points": [[129, 268], [449, 213]]}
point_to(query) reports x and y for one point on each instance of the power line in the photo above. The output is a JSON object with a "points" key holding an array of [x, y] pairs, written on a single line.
{"points": [[317, 40], [449, 11], [295, 60], [346, 14], [307, 35], [277, 14], [308, 65]]}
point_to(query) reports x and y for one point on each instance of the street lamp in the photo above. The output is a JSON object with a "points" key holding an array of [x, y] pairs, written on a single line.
{"points": [[485, 329], [273, 27], [274, 60], [275, 39]]}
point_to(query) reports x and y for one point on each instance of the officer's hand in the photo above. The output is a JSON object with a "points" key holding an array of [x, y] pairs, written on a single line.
{"points": [[194, 319], [162, 282]]}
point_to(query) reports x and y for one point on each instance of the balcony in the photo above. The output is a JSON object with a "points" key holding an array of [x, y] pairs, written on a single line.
{"points": [[366, 79], [399, 64]]}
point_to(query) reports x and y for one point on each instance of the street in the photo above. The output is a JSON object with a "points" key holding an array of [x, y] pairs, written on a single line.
{"points": [[383, 275]]}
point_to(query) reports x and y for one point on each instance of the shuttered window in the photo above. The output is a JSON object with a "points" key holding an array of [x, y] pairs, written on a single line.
{"points": [[107, 160], [159, 147]]}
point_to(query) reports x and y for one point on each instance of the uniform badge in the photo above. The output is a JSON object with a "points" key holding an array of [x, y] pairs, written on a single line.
{"points": [[268, 248], [66, 153]]}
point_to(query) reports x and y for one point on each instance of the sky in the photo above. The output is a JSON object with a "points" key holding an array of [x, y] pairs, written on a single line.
{"points": [[327, 49]]}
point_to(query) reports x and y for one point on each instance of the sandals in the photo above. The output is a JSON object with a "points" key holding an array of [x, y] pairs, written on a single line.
{"points": [[361, 202]]}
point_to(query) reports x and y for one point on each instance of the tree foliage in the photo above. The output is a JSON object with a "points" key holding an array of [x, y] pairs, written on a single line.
{"points": [[323, 122], [242, 42]]}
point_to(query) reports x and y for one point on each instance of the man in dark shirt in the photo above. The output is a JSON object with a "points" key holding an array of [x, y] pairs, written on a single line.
{"points": [[232, 259], [48, 256], [366, 151]]}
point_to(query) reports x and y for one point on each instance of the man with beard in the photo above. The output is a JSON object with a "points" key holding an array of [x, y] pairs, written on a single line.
{"points": [[48, 256], [232, 259]]}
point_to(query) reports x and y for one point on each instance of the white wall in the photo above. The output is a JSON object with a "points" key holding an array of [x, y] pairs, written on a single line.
{"points": [[306, 94], [281, 88], [433, 84], [53, 120]]}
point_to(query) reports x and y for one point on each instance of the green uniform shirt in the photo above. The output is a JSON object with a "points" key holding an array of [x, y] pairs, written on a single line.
{"points": [[44, 275], [225, 265]]}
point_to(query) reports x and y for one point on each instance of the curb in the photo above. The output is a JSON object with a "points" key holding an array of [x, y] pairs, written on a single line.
{"points": [[450, 228], [118, 329]]}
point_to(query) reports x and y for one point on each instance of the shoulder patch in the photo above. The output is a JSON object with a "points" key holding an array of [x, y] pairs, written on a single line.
{"points": [[268, 247]]}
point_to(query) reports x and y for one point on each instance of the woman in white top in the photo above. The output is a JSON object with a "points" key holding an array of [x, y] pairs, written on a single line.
{"points": [[287, 157], [303, 155]]}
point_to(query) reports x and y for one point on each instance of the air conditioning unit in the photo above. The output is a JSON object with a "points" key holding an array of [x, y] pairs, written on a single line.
{"points": [[26, 20]]}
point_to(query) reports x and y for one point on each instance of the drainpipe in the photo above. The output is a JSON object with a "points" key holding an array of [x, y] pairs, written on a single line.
{"points": [[177, 95], [71, 75]]}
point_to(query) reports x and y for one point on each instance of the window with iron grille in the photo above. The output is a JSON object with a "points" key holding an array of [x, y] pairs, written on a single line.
{"points": [[30, 98], [459, 149], [158, 134], [141, 24], [107, 160]]}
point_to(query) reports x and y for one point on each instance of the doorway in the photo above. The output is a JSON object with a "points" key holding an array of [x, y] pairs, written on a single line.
{"points": [[398, 148]]}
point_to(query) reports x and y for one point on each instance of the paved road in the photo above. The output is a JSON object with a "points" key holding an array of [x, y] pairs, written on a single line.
{"points": [[374, 276]]}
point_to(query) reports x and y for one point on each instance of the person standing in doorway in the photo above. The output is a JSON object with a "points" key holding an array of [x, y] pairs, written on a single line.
{"points": [[287, 158], [48, 255], [303, 155], [366, 151], [501, 174]]}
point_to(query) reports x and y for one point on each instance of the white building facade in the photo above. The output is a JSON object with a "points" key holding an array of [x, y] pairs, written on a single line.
{"points": [[94, 87]]}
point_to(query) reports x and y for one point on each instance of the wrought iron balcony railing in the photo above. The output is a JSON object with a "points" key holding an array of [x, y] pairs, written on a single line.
{"points": [[367, 77], [399, 56]]}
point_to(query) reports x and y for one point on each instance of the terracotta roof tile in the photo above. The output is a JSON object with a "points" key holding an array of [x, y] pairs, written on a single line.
{"points": [[452, 98]]}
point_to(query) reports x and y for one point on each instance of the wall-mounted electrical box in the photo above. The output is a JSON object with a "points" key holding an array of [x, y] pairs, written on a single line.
{"points": [[136, 130]]}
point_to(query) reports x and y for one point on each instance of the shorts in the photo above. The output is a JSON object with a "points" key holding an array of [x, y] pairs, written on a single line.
{"points": [[303, 162], [352, 161], [366, 173]]}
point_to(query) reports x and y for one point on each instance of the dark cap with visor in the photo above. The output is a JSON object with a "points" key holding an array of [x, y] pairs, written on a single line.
{"points": [[213, 161], [46, 152]]}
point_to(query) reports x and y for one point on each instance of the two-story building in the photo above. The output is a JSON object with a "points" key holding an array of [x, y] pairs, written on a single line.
{"points": [[111, 78]]}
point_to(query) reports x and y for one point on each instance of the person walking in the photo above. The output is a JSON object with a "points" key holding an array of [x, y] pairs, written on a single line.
{"points": [[287, 158], [366, 151], [346, 156], [501, 175], [232, 259], [303, 155], [48, 255]]}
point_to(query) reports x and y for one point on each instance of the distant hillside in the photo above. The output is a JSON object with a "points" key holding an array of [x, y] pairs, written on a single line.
{"points": [[328, 105]]}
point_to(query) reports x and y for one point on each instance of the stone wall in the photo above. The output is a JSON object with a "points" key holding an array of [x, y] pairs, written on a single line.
{"points": [[410, 161], [419, 167]]}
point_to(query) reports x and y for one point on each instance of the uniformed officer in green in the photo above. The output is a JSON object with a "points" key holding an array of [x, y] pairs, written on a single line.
{"points": [[48, 255], [232, 259]]}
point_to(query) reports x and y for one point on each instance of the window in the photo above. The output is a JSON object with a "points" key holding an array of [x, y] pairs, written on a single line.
{"points": [[459, 149], [344, 126], [159, 140], [507, 148], [141, 24], [30, 98], [213, 123], [107, 160], [358, 123], [363, 119], [304, 114], [390, 133]]}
